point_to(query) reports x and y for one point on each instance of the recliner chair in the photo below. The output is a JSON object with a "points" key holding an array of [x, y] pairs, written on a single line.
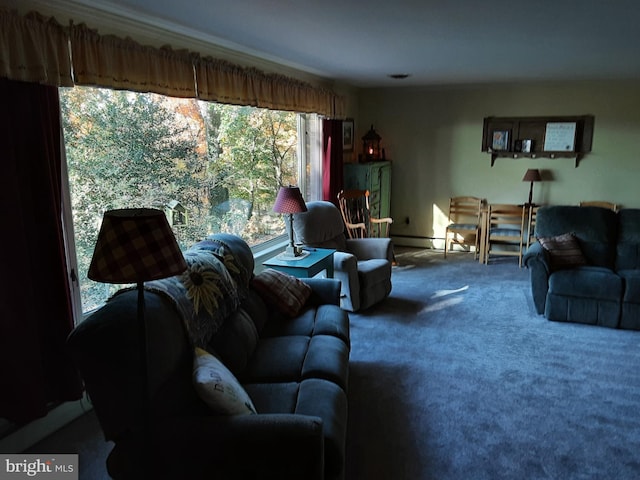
{"points": [[363, 265]]}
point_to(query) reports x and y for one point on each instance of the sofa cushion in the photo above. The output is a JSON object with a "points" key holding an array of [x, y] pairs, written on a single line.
{"points": [[282, 291], [277, 359], [594, 227], [588, 282], [320, 320], [294, 358], [217, 386], [564, 251], [235, 342]]}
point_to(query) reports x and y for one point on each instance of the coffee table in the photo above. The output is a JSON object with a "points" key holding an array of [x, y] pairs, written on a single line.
{"points": [[316, 260]]}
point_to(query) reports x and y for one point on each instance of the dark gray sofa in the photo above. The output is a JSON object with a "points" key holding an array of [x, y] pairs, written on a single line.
{"points": [[605, 291], [294, 369]]}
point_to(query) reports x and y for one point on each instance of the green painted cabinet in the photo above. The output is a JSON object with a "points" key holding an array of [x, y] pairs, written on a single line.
{"points": [[375, 177]]}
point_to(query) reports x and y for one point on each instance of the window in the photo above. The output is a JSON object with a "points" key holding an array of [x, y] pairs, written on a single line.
{"points": [[210, 167]]}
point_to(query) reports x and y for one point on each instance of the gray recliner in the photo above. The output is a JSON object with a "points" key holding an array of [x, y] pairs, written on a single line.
{"points": [[363, 265]]}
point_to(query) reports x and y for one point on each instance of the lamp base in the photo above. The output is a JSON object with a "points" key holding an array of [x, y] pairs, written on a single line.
{"points": [[289, 254]]}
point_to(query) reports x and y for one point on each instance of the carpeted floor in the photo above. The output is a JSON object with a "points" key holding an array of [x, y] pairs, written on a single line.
{"points": [[455, 376]]}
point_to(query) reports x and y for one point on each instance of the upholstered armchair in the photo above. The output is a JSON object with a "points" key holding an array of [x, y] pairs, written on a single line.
{"points": [[363, 265]]}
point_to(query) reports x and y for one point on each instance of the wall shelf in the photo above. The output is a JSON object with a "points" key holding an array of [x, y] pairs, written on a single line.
{"points": [[508, 134]]}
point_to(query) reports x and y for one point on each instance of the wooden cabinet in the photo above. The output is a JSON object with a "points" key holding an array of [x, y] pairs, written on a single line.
{"points": [[532, 137], [375, 177]]}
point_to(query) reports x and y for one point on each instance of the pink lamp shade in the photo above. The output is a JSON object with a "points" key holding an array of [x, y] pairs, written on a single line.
{"points": [[135, 245], [289, 200]]}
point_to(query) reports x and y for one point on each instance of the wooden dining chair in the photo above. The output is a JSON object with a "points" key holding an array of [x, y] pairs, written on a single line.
{"points": [[356, 213], [504, 229], [528, 229], [599, 203], [464, 223]]}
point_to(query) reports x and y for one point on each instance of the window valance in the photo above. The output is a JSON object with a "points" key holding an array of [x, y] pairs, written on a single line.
{"points": [[36, 49]]}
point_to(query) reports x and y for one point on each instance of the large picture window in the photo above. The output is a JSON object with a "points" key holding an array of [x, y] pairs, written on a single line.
{"points": [[211, 167]]}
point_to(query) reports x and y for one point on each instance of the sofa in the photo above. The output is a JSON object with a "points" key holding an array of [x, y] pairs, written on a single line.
{"points": [[585, 265], [254, 386], [363, 265]]}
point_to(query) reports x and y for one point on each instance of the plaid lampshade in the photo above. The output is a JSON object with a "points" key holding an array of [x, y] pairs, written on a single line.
{"points": [[135, 245], [289, 200]]}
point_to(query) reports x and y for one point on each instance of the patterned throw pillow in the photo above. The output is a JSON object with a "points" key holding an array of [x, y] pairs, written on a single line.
{"points": [[284, 292], [217, 386], [564, 251]]}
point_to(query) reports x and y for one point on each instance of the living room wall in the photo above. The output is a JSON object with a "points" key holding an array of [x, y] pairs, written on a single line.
{"points": [[434, 136]]}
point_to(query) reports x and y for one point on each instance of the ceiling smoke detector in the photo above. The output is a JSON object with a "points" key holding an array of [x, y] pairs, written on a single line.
{"points": [[399, 76]]}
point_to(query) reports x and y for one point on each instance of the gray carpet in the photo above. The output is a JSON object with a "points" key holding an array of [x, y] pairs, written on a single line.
{"points": [[455, 376]]}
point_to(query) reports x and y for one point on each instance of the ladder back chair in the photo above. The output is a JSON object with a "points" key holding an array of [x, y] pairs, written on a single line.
{"points": [[356, 213], [504, 229], [464, 223], [528, 228], [599, 203]]}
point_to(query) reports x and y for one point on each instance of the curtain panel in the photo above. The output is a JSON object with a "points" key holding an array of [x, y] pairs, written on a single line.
{"points": [[332, 160], [34, 49], [35, 301]]}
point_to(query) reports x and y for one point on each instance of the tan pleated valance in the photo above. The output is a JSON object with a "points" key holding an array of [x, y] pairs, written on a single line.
{"points": [[36, 49], [109, 61], [224, 82]]}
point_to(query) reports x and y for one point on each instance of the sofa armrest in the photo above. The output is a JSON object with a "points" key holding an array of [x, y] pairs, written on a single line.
{"points": [[323, 291], [536, 259], [279, 446], [370, 248]]}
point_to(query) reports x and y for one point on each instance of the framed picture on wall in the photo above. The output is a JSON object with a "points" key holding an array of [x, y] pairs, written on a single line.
{"points": [[347, 135], [500, 140]]}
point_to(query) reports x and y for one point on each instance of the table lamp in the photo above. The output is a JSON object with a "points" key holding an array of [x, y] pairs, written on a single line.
{"points": [[532, 175], [290, 201], [134, 246]]}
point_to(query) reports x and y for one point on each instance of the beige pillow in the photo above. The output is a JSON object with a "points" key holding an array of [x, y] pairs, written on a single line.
{"points": [[282, 291], [217, 386], [564, 251]]}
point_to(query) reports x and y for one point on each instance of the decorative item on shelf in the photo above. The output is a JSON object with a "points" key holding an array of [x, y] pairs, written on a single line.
{"points": [[560, 137], [527, 145], [371, 146], [532, 175], [136, 245], [290, 201], [500, 140]]}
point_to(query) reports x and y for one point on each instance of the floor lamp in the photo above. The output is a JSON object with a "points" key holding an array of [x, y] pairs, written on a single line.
{"points": [[532, 175], [290, 201], [135, 246]]}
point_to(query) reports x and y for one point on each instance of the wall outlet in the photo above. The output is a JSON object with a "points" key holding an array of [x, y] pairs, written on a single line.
{"points": [[407, 221]]}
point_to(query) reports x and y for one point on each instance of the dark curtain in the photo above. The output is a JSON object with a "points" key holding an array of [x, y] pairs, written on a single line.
{"points": [[332, 164], [35, 302]]}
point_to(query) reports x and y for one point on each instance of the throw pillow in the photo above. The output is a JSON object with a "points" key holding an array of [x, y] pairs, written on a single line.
{"points": [[283, 291], [564, 251], [217, 386]]}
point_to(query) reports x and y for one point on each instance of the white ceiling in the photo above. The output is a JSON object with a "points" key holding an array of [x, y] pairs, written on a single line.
{"points": [[434, 41]]}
